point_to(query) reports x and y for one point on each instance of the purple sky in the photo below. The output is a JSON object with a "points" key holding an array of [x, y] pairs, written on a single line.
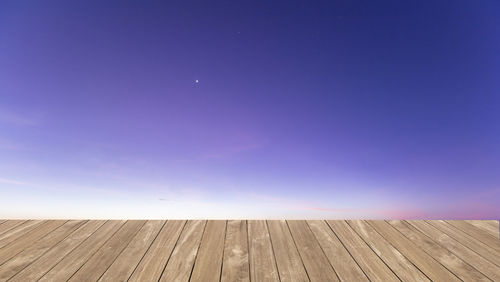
{"points": [[302, 109]]}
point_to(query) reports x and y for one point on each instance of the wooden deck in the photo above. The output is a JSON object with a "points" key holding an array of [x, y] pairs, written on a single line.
{"points": [[253, 250]]}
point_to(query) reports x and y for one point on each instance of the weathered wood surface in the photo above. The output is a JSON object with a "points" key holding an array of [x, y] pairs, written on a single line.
{"points": [[253, 250]]}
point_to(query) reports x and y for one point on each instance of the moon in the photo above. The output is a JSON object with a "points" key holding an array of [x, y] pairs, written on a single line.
{"points": [[197, 81]]}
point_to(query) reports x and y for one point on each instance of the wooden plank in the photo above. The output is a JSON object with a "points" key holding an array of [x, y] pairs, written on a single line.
{"points": [[34, 251], [238, 250], [127, 261], [18, 231], [290, 265], [27, 239], [488, 226], [316, 263], [9, 224], [453, 263], [208, 264], [95, 267], [401, 266], [344, 265], [494, 223], [181, 261], [38, 268], [235, 266], [467, 241], [428, 265], [369, 262], [478, 234], [486, 267], [262, 262], [63, 270], [154, 261]]}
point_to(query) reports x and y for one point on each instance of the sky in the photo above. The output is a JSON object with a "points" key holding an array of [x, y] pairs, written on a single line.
{"points": [[250, 109]]}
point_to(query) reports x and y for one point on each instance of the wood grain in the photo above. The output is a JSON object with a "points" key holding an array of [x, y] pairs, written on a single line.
{"points": [[28, 238], [488, 226], [235, 265], [65, 268], [486, 267], [207, 266], [181, 262], [262, 262], [315, 261], [398, 263], [468, 241], [344, 265], [453, 263], [105, 256], [290, 265], [154, 261], [426, 263], [48, 260], [20, 230], [127, 261], [254, 250], [485, 238], [35, 250], [9, 224], [372, 265]]}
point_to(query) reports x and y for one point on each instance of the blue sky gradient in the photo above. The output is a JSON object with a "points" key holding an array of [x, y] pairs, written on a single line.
{"points": [[302, 109]]}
